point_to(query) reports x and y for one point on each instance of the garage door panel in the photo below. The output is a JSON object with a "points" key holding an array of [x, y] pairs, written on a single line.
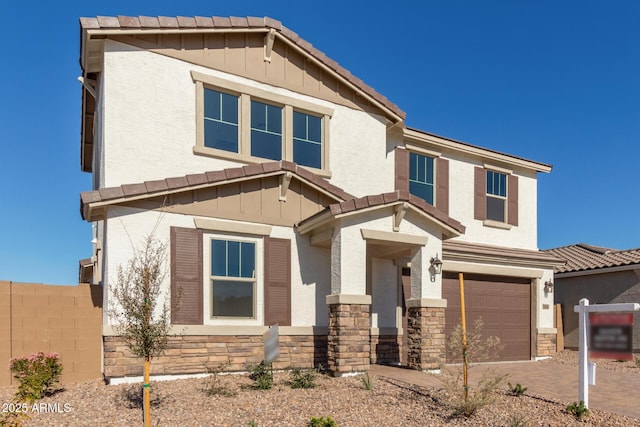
{"points": [[503, 303]]}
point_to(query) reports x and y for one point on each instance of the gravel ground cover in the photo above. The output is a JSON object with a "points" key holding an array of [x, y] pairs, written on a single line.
{"points": [[346, 400]]}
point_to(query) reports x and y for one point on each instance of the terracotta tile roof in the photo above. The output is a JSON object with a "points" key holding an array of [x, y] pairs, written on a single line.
{"points": [[233, 22], [582, 257], [354, 205], [184, 183]]}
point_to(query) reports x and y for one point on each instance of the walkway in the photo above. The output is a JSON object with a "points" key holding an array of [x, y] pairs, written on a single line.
{"points": [[617, 392]]}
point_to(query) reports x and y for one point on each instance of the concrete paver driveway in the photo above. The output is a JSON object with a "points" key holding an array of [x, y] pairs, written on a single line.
{"points": [[617, 392]]}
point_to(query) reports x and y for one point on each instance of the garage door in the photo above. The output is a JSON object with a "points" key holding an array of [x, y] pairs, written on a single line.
{"points": [[504, 303]]}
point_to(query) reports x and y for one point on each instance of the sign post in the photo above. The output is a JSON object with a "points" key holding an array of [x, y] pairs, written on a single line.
{"points": [[584, 367]]}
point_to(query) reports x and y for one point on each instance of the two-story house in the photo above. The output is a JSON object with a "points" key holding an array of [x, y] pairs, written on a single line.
{"points": [[292, 193]]}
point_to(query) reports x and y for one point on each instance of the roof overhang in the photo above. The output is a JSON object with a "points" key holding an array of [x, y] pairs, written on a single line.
{"points": [[488, 254], [421, 137]]}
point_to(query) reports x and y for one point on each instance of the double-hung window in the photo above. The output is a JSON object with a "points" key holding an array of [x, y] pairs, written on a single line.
{"points": [[307, 140], [233, 278], [496, 196], [266, 131], [220, 120], [421, 177], [243, 123]]}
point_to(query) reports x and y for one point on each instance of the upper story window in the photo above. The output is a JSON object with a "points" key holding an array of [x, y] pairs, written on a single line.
{"points": [[422, 177], [307, 140], [220, 120], [246, 124], [266, 131], [496, 196]]}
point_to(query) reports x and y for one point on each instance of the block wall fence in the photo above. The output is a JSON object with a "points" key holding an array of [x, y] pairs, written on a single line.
{"points": [[62, 319]]}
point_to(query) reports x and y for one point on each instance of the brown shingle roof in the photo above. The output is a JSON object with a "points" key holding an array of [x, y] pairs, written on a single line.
{"points": [[354, 205], [184, 183], [582, 257], [150, 24]]}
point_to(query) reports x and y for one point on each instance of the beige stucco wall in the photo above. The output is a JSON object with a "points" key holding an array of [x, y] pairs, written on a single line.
{"points": [[604, 288], [48, 318]]}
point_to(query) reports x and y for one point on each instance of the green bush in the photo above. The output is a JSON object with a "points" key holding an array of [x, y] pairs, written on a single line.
{"points": [[37, 374], [517, 390], [578, 410], [367, 381], [302, 378], [322, 422], [262, 375]]}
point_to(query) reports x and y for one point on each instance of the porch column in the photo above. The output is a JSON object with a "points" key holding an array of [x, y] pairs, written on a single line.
{"points": [[348, 343], [425, 323]]}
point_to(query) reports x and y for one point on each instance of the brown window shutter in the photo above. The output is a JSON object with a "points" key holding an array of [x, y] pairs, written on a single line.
{"points": [[277, 281], [186, 275], [442, 184], [402, 169], [512, 200], [480, 194]]}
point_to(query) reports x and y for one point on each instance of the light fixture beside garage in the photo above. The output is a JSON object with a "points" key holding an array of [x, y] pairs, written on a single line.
{"points": [[548, 286], [436, 263]]}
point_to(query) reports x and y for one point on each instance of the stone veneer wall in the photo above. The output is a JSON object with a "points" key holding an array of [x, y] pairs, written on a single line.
{"points": [[348, 343], [190, 354], [545, 345], [386, 349], [426, 338]]}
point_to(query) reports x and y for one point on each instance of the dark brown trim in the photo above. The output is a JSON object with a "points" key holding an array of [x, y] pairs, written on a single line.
{"points": [[401, 169], [512, 200], [480, 194], [277, 281], [442, 184], [186, 276]]}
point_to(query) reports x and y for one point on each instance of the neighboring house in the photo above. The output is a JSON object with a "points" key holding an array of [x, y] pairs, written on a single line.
{"points": [[292, 193], [602, 275]]}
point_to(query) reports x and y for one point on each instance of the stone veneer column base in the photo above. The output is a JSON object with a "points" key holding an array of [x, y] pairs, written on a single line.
{"points": [[348, 342], [546, 345], [426, 339]]}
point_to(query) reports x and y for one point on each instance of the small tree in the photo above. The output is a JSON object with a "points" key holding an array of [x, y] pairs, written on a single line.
{"points": [[475, 348], [141, 311]]}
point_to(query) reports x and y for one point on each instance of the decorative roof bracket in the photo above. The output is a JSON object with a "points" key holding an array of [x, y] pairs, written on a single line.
{"points": [[269, 38], [398, 215], [285, 180]]}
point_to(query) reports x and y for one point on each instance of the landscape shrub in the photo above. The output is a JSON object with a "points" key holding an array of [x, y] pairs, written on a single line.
{"points": [[517, 390], [302, 378], [37, 374], [578, 410], [262, 376], [322, 422], [367, 381], [212, 385]]}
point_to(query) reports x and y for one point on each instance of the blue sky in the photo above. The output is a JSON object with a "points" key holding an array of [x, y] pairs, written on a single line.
{"points": [[552, 81]]}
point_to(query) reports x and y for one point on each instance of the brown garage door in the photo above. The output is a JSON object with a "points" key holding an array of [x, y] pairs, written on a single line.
{"points": [[504, 303]]}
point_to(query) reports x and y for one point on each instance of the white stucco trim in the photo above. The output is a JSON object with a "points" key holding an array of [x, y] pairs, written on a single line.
{"points": [[497, 168], [496, 224], [232, 227], [547, 330], [348, 299], [374, 236], [465, 267], [427, 302], [422, 150]]}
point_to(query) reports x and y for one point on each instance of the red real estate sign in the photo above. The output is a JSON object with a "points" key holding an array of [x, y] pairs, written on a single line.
{"points": [[611, 336]]}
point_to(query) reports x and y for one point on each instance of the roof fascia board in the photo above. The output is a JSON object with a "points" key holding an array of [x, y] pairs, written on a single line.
{"points": [[506, 259], [327, 216], [91, 205], [416, 136], [594, 271]]}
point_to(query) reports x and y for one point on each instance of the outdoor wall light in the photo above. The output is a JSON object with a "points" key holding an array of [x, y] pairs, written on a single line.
{"points": [[436, 263], [548, 286]]}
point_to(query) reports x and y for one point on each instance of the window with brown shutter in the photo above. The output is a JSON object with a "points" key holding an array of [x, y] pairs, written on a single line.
{"points": [[186, 276], [487, 203], [277, 281]]}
